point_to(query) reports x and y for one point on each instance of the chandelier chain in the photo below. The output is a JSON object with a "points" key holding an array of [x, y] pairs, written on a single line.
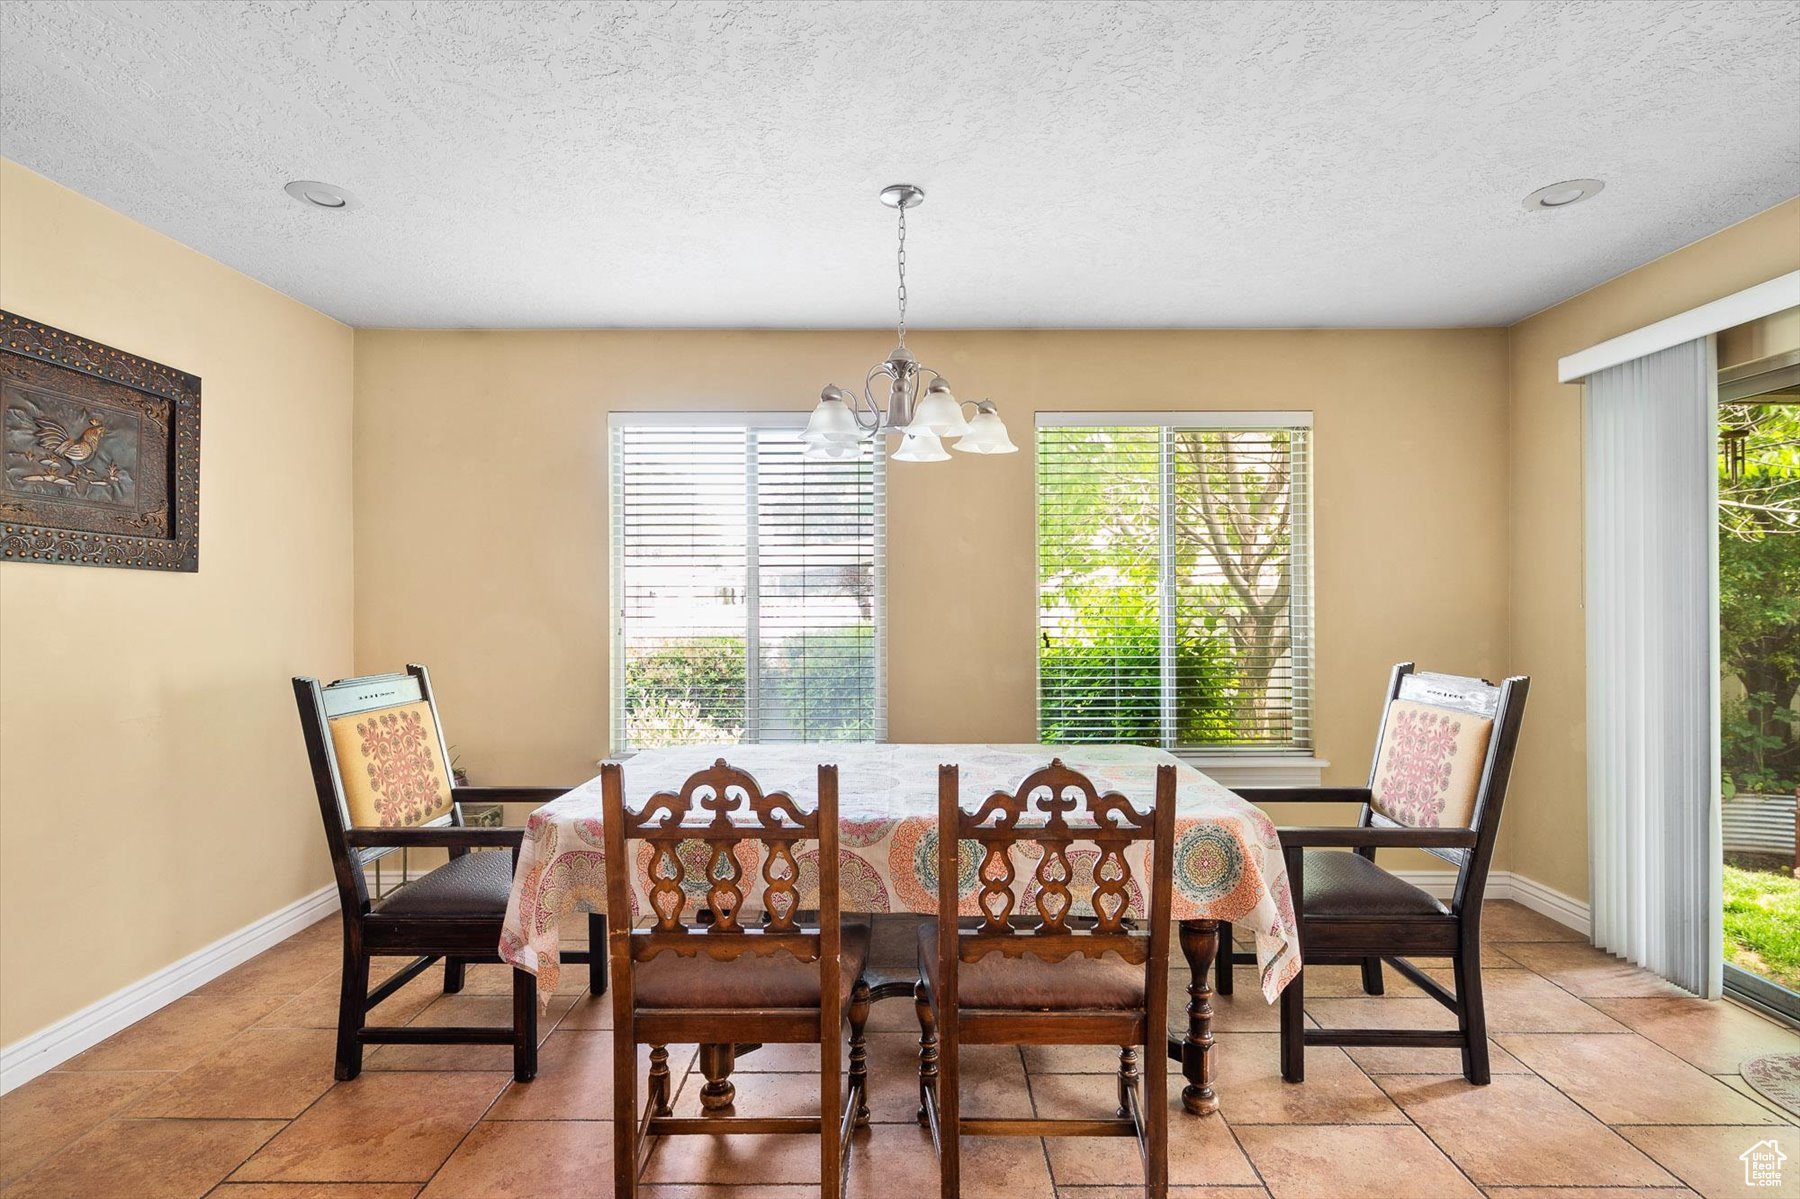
{"points": [[902, 288]]}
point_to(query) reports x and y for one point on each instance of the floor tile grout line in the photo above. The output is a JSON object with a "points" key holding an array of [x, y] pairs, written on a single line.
{"points": [[1736, 1124], [286, 1124], [467, 1132], [1583, 999], [96, 1127], [1669, 1170], [336, 1082], [91, 1129], [1758, 1097], [65, 1067], [1593, 1115], [1239, 1142], [1043, 1142], [1426, 1133]]}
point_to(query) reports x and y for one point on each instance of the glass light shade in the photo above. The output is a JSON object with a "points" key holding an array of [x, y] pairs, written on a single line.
{"points": [[987, 434], [825, 451], [939, 413], [832, 423], [921, 447]]}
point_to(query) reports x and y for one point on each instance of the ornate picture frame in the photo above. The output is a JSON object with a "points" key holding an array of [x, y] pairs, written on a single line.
{"points": [[99, 453]]}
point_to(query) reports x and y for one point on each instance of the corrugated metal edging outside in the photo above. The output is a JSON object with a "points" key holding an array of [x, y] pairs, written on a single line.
{"points": [[1759, 824]]}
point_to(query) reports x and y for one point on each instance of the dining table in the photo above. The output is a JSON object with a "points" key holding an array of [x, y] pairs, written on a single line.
{"points": [[1228, 863]]}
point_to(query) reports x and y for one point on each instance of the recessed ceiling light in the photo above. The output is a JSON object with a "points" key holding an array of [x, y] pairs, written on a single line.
{"points": [[319, 195], [1561, 195]]}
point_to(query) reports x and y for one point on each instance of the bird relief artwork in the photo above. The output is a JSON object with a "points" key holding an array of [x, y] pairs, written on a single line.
{"points": [[78, 453], [101, 453]]}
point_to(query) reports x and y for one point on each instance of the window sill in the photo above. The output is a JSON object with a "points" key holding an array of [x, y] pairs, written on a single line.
{"points": [[1256, 770]]}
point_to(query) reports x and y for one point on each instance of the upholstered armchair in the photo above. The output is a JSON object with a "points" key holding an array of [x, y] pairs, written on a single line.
{"points": [[383, 777], [1443, 757]]}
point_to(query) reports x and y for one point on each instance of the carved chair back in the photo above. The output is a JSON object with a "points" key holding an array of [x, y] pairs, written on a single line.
{"points": [[378, 760], [1054, 809], [1443, 758], [725, 814]]}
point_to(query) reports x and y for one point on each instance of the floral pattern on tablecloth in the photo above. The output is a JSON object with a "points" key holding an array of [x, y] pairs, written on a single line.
{"points": [[1228, 861]]}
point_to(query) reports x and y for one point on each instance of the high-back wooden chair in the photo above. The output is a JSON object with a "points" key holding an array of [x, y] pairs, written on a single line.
{"points": [[730, 979], [383, 776], [1093, 976], [1443, 757]]}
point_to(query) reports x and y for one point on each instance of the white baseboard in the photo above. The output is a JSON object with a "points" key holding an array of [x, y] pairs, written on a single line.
{"points": [[1503, 884], [1439, 883], [1547, 901], [28, 1057]]}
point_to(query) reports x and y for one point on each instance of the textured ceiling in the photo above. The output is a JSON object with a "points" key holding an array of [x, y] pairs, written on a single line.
{"points": [[1088, 164]]}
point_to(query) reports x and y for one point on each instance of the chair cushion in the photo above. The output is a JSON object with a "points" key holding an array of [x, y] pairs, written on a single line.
{"points": [[778, 980], [475, 884], [1030, 984], [1428, 770], [392, 764], [1340, 884]]}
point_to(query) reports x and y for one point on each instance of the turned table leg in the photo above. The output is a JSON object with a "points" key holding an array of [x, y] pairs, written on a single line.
{"points": [[718, 1093], [1200, 946]]}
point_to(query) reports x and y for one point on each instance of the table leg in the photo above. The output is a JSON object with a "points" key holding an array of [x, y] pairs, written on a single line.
{"points": [[718, 1093], [1200, 946]]}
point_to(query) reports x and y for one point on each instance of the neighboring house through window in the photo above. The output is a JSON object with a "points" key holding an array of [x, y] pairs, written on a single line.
{"points": [[747, 585]]}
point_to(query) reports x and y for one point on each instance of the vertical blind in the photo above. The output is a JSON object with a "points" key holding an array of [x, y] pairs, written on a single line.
{"points": [[1652, 663], [747, 587], [1175, 581]]}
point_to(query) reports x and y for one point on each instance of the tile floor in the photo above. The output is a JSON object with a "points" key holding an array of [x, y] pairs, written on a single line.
{"points": [[1607, 1083]]}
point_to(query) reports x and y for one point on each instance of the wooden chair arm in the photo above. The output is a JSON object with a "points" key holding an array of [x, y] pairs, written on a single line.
{"points": [[442, 837], [1262, 795], [530, 795], [1377, 838]]}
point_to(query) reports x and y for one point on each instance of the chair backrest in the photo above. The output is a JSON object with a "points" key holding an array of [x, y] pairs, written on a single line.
{"points": [[1053, 809], [378, 761], [1443, 758], [721, 830]]}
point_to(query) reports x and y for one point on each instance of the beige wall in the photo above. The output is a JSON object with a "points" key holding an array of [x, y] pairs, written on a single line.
{"points": [[153, 790], [1545, 835], [482, 511], [154, 707], [1448, 489]]}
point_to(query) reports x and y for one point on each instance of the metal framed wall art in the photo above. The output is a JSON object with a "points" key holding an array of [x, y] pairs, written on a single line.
{"points": [[101, 454]]}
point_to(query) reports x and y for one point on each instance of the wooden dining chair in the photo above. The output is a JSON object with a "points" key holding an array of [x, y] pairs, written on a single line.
{"points": [[1443, 758], [1068, 977], [382, 773], [724, 980]]}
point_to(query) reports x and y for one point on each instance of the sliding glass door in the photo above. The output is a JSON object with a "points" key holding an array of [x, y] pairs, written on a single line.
{"points": [[1759, 658]]}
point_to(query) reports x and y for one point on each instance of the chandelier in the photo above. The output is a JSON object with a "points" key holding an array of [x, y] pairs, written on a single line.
{"points": [[842, 421]]}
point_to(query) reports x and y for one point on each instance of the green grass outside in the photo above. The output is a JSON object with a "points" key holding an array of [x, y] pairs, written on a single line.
{"points": [[1762, 924]]}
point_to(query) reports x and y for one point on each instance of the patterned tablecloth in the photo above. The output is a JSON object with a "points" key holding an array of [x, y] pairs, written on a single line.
{"points": [[1228, 862]]}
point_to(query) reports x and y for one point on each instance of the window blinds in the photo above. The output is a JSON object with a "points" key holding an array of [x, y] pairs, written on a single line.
{"points": [[747, 587], [1174, 581], [1650, 443]]}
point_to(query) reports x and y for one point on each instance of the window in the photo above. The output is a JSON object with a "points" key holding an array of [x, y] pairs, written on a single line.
{"points": [[746, 583], [1174, 581]]}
